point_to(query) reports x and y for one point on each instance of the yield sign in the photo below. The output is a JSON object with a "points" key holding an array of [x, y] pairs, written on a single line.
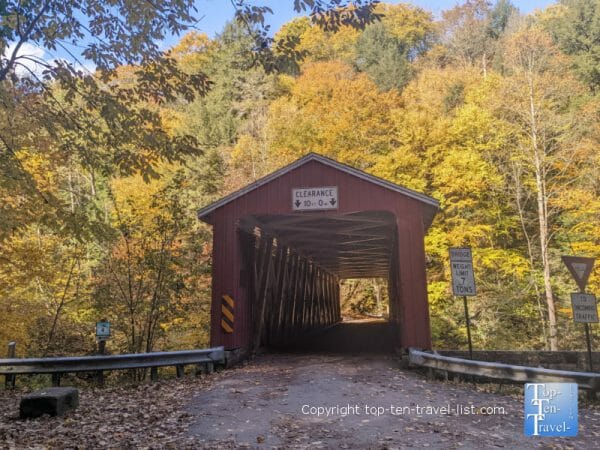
{"points": [[580, 268]]}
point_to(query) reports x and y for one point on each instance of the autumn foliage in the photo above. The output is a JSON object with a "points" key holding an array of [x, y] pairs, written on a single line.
{"points": [[491, 112]]}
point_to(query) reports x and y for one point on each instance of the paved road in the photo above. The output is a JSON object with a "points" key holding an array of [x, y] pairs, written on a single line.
{"points": [[273, 401]]}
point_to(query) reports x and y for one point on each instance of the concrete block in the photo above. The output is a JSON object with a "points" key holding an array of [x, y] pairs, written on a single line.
{"points": [[54, 401]]}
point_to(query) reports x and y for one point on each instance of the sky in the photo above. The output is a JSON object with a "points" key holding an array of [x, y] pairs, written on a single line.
{"points": [[213, 14]]}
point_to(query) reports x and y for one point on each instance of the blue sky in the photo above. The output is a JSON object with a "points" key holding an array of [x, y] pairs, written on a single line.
{"points": [[215, 13]]}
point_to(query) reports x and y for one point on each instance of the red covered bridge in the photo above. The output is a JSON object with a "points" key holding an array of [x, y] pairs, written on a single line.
{"points": [[281, 246]]}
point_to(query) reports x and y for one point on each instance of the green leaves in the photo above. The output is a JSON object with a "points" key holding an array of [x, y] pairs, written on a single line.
{"points": [[576, 29]]}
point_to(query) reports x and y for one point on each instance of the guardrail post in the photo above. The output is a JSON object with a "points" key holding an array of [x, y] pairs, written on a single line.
{"points": [[154, 373], [179, 369], [100, 373], [56, 379], [10, 380]]}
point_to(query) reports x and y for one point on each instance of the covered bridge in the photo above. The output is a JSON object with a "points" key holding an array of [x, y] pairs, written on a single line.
{"points": [[282, 244]]}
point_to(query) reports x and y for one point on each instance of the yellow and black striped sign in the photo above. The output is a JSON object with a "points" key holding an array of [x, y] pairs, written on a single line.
{"points": [[227, 313]]}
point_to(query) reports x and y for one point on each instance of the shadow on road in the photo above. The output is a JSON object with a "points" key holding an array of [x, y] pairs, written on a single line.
{"points": [[356, 336]]}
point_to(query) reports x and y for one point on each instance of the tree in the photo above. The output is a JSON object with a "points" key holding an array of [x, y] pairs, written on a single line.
{"points": [[473, 28], [411, 25], [332, 110], [539, 100], [384, 57], [54, 96], [148, 279], [299, 42], [72, 128], [576, 29], [499, 18]]}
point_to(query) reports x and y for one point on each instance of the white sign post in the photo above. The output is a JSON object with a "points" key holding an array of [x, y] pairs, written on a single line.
{"points": [[315, 198], [463, 282]]}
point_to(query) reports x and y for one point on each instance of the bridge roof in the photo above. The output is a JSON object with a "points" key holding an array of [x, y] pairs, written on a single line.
{"points": [[431, 203]]}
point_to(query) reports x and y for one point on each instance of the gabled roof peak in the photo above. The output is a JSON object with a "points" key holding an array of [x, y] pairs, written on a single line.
{"points": [[204, 212]]}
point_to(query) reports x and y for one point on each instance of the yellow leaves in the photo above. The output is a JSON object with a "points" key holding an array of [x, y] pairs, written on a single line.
{"points": [[334, 111], [323, 45], [531, 50], [507, 263], [193, 51], [407, 22], [136, 199], [401, 166], [314, 43], [247, 158], [172, 121], [191, 44], [40, 167]]}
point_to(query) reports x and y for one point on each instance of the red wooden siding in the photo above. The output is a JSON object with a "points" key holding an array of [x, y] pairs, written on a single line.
{"points": [[355, 195]]}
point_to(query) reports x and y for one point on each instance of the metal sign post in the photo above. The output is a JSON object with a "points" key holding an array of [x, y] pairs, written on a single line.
{"points": [[589, 347], [102, 335], [463, 282], [468, 327]]}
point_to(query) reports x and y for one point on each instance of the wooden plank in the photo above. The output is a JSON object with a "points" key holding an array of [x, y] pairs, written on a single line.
{"points": [[330, 303], [287, 298], [294, 303], [283, 293], [318, 317], [303, 295], [262, 277], [308, 297], [275, 296], [315, 297]]}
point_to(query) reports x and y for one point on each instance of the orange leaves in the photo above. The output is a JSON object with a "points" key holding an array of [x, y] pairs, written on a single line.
{"points": [[334, 111]]}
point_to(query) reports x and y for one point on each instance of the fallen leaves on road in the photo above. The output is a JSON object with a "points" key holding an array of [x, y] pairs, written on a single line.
{"points": [[146, 416]]}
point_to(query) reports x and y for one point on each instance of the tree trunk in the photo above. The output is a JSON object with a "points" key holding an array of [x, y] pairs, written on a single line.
{"points": [[516, 177], [484, 64], [542, 212]]}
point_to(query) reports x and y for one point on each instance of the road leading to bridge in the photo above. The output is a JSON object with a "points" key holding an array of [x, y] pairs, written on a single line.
{"points": [[274, 402]]}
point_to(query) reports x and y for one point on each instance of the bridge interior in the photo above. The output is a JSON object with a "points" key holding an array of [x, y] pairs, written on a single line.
{"points": [[293, 266]]}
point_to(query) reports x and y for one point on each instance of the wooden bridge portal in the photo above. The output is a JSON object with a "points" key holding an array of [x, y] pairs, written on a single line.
{"points": [[282, 244]]}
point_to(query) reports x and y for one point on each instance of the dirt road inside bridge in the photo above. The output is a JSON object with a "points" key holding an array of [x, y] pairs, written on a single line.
{"points": [[358, 401]]}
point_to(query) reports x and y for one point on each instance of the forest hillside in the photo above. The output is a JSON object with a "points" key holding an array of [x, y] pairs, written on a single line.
{"points": [[492, 112]]}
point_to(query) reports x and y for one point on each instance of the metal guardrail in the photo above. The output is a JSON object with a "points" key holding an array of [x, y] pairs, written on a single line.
{"points": [[60, 365], [110, 362], [504, 372]]}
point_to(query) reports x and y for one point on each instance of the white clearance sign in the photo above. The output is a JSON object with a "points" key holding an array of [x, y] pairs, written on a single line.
{"points": [[463, 278], [584, 308], [315, 198]]}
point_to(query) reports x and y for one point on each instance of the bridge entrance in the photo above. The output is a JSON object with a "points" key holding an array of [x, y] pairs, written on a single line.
{"points": [[278, 259]]}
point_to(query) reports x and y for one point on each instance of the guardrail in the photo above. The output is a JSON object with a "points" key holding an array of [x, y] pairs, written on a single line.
{"points": [[60, 365], [504, 372]]}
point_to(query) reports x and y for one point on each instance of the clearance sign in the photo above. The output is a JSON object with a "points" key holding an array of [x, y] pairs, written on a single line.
{"points": [[315, 198]]}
